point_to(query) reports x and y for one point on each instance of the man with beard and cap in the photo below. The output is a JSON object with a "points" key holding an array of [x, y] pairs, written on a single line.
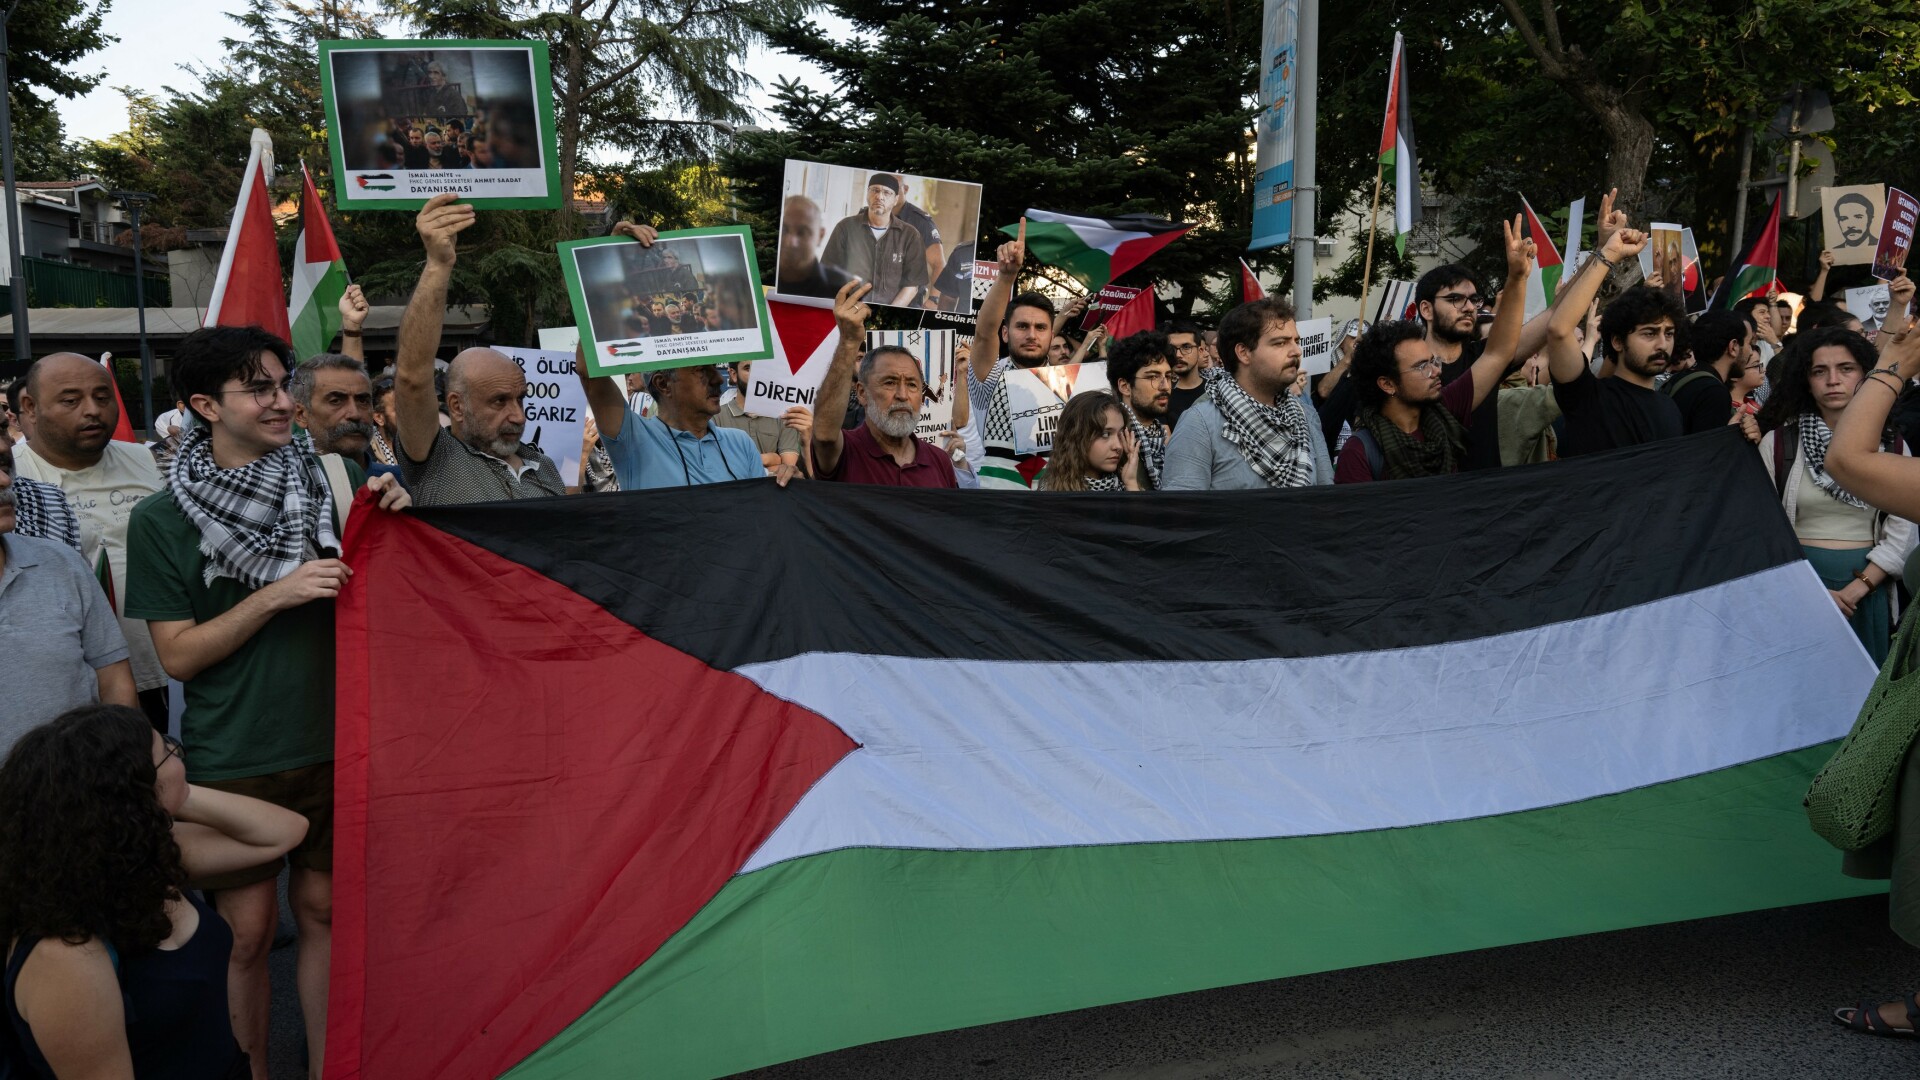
{"points": [[883, 449], [679, 445], [878, 248], [480, 457], [69, 401], [1140, 370], [1639, 331]]}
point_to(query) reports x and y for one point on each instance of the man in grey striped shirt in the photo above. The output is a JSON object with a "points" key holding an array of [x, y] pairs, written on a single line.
{"points": [[481, 456]]}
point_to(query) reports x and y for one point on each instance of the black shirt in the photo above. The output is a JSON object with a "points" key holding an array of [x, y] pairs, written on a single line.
{"points": [[1704, 401], [1182, 400], [1607, 414], [1483, 435]]}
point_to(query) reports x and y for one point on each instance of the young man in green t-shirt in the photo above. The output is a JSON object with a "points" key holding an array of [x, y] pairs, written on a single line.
{"points": [[235, 566]]}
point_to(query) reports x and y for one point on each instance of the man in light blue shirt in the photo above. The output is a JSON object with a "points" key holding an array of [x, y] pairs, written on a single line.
{"points": [[679, 445], [1248, 431]]}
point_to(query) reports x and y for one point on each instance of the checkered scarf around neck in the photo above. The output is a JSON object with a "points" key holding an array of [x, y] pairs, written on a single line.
{"points": [[1105, 483], [1273, 438], [1815, 436], [258, 522], [1151, 442], [1439, 452], [42, 510]]}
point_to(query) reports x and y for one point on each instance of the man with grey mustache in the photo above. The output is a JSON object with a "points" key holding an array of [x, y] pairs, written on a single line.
{"points": [[333, 400]]}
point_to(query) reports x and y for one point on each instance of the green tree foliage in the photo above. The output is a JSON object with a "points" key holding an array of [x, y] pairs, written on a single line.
{"points": [[47, 44]]}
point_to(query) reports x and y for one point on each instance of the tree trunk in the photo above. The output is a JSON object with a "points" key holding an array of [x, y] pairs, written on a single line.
{"points": [[1629, 137]]}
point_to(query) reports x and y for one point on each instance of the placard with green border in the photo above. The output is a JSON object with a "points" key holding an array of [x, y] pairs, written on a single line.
{"points": [[693, 297], [408, 120]]}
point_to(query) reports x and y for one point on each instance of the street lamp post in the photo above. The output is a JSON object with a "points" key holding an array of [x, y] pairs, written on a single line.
{"points": [[22, 350], [132, 202]]}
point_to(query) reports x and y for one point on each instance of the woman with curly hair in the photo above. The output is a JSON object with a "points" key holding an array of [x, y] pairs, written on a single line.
{"points": [[1093, 448], [1855, 548], [114, 969]]}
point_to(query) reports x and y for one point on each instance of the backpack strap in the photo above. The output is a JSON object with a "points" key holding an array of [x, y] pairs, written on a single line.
{"points": [[1376, 458], [341, 485], [1673, 386]]}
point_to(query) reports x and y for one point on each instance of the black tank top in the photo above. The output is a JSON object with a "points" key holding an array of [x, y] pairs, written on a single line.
{"points": [[176, 1006]]}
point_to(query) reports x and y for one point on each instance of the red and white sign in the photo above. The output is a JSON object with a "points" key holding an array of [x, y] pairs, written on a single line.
{"points": [[803, 341]]}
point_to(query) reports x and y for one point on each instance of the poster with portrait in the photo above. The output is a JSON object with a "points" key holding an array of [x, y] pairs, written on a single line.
{"points": [[414, 119], [1852, 217], [1665, 255], [1870, 305], [911, 237], [937, 352], [1896, 236], [693, 297], [1037, 396]]}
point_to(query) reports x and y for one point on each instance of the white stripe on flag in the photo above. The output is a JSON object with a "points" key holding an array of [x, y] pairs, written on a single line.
{"points": [[960, 754]]}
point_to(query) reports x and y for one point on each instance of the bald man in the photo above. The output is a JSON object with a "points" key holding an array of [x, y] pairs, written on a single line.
{"points": [[480, 457], [68, 400]]}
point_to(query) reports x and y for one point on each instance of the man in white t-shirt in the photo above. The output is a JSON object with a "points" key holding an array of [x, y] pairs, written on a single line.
{"points": [[69, 401]]}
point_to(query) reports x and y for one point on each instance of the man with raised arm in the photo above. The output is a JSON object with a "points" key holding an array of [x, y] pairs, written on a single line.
{"points": [[679, 445], [480, 457], [1025, 337], [1408, 424], [884, 448]]}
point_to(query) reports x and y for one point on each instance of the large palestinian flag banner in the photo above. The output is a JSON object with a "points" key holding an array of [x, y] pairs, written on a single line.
{"points": [[678, 783]]}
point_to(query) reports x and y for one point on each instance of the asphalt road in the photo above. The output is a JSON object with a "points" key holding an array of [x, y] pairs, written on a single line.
{"points": [[1745, 996]]}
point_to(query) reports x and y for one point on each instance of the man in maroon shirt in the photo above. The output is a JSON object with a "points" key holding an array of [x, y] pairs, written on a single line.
{"points": [[883, 450]]}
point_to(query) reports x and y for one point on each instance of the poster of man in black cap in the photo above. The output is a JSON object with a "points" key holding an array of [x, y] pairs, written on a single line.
{"points": [[887, 230]]}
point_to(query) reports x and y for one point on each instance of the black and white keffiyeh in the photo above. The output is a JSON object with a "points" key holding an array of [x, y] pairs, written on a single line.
{"points": [[1151, 442], [1273, 438], [1815, 436], [258, 522], [1110, 482], [42, 510]]}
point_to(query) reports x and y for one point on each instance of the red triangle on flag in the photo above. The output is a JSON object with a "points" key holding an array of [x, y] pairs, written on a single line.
{"points": [[798, 330], [314, 226], [123, 429], [1135, 316], [249, 290], [1250, 287]]}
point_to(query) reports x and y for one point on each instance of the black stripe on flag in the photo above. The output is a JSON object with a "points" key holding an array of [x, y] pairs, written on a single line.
{"points": [[745, 572]]}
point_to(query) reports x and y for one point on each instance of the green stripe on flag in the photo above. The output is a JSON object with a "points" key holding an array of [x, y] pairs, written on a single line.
{"points": [[1057, 244], [865, 944]]}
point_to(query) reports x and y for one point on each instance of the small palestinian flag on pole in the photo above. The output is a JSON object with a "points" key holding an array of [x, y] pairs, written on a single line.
{"points": [[1547, 266], [1250, 289], [1396, 149], [1094, 251], [319, 275], [1756, 271]]}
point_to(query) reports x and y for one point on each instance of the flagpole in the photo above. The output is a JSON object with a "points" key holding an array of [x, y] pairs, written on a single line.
{"points": [[1373, 226]]}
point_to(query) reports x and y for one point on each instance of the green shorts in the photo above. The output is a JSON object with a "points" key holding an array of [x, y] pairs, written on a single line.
{"points": [[306, 791]]}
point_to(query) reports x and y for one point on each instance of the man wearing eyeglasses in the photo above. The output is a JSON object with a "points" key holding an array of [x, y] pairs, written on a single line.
{"points": [[1410, 423], [235, 566], [1189, 386], [69, 399], [1140, 370]]}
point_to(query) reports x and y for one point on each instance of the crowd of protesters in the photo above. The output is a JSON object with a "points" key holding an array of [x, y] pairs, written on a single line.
{"points": [[211, 560]]}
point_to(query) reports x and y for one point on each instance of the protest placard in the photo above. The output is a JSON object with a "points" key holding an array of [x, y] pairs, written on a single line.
{"points": [[691, 298], [1852, 217], [1869, 304], [567, 338], [985, 273], [1036, 397], [803, 342], [911, 237], [1896, 237], [1693, 283], [1316, 346], [1665, 255], [414, 119], [935, 349], [556, 407], [1103, 304]]}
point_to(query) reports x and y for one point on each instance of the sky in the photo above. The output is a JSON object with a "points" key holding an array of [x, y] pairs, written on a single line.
{"points": [[157, 39]]}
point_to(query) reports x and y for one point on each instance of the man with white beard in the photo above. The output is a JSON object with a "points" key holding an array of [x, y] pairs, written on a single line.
{"points": [[883, 449]]}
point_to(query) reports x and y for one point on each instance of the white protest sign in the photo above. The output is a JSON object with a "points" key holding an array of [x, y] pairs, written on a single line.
{"points": [[567, 338], [935, 351], [1316, 346], [803, 342], [556, 407], [1037, 396]]}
